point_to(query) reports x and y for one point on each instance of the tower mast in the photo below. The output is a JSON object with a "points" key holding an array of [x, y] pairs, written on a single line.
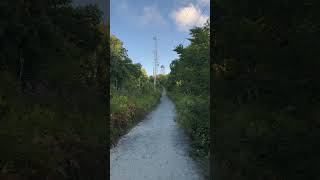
{"points": [[155, 62]]}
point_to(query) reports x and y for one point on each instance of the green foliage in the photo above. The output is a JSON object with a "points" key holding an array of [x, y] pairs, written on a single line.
{"points": [[127, 108], [264, 74], [132, 92], [188, 87], [53, 60], [193, 116], [190, 73], [122, 70], [162, 79]]}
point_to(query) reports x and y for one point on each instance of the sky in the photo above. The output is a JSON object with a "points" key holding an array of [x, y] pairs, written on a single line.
{"points": [[136, 22]]}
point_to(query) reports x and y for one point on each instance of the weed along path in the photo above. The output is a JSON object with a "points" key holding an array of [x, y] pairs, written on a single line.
{"points": [[156, 149]]}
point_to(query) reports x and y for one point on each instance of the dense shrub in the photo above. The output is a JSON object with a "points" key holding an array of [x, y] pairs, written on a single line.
{"points": [[193, 116], [127, 110], [53, 70], [188, 87], [265, 89]]}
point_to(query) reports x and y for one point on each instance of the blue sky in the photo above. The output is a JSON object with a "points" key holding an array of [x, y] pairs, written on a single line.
{"points": [[135, 22]]}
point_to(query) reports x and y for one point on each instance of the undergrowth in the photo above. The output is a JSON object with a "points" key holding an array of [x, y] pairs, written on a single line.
{"points": [[193, 117], [128, 108]]}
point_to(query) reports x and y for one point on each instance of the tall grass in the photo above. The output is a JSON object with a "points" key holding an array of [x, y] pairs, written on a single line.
{"points": [[193, 116], [128, 108]]}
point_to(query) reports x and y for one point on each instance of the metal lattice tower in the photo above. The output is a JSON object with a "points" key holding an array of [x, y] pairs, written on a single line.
{"points": [[155, 68]]}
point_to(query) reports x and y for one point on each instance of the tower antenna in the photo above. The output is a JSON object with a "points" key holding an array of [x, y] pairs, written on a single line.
{"points": [[155, 62]]}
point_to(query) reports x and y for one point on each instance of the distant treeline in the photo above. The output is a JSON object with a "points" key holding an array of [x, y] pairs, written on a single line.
{"points": [[265, 89], [53, 84]]}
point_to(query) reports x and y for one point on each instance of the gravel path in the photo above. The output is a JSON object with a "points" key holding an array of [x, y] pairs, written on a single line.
{"points": [[156, 149]]}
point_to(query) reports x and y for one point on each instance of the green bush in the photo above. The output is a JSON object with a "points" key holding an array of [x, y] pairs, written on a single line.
{"points": [[193, 116], [128, 108]]}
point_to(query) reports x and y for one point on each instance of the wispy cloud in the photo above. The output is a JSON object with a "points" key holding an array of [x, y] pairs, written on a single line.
{"points": [[204, 2], [141, 16], [151, 16], [123, 6], [188, 16], [120, 7]]}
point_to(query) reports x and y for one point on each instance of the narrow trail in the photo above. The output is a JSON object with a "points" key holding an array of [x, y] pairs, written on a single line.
{"points": [[156, 149]]}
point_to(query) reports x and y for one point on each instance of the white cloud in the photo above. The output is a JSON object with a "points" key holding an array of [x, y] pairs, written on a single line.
{"points": [[188, 17], [151, 16]]}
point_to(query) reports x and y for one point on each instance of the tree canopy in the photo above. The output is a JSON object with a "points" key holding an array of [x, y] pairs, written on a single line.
{"points": [[53, 89]]}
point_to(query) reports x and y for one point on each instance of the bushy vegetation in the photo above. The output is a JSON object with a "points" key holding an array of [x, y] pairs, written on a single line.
{"points": [[266, 89], [193, 116], [132, 92], [188, 87], [53, 74]]}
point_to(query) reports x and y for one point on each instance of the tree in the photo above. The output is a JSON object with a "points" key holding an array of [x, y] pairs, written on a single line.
{"points": [[190, 70], [264, 76], [188, 85]]}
